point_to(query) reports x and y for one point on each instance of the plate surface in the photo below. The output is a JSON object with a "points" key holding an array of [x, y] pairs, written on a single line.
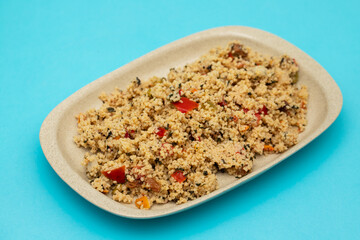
{"points": [[59, 127]]}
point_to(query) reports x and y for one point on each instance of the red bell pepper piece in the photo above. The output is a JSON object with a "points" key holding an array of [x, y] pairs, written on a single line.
{"points": [[128, 135], [185, 105], [264, 110], [161, 132], [258, 116], [178, 176], [117, 174]]}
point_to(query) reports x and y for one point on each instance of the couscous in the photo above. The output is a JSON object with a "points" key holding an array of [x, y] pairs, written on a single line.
{"points": [[164, 139]]}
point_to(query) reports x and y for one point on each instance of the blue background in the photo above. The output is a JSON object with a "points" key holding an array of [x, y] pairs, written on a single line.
{"points": [[48, 50]]}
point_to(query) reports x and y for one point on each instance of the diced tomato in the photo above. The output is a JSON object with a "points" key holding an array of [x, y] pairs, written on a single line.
{"points": [[178, 176], [199, 139], [230, 55], [185, 105], [245, 110], [258, 116], [117, 174], [222, 103], [128, 135], [161, 132], [263, 110]]}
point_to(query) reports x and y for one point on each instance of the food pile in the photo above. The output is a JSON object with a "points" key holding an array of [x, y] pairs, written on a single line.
{"points": [[164, 139]]}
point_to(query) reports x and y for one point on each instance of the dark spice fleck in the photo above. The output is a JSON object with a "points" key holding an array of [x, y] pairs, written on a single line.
{"points": [[179, 169], [249, 93], [111, 109], [109, 135], [157, 161], [205, 173], [282, 60], [198, 184], [138, 81]]}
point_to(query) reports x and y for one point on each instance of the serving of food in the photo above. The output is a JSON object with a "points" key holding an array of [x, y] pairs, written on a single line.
{"points": [[165, 139]]}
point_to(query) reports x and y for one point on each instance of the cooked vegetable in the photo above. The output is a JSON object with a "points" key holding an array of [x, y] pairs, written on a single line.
{"points": [[142, 203], [161, 132], [245, 128], [178, 175], [268, 148], [258, 116], [154, 185], [134, 184], [117, 174], [185, 105], [223, 103], [129, 134], [238, 50], [263, 110]]}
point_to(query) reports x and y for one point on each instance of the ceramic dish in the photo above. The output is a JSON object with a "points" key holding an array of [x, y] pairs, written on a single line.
{"points": [[59, 127]]}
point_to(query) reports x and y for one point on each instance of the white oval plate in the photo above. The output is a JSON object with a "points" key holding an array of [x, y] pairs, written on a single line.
{"points": [[59, 127]]}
